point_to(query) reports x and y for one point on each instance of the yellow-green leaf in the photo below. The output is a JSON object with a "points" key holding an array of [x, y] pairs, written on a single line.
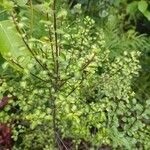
{"points": [[142, 6]]}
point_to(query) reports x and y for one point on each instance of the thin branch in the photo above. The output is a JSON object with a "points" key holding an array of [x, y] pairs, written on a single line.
{"points": [[61, 141], [75, 88], [58, 143], [71, 3], [65, 81], [56, 39], [28, 47], [30, 72], [84, 66], [87, 63], [69, 62], [42, 51], [30, 50], [56, 71], [50, 39]]}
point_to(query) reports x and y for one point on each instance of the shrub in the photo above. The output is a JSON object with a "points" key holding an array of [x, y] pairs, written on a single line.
{"points": [[69, 84]]}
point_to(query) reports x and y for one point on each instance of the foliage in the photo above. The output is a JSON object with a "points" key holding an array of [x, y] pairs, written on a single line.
{"points": [[104, 7], [130, 14], [76, 84], [141, 5], [10, 43]]}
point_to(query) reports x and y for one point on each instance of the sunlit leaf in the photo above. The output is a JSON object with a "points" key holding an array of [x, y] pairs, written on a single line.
{"points": [[21, 2], [142, 6], [12, 46]]}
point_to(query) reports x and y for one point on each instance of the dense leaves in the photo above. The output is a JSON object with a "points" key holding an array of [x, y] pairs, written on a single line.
{"points": [[76, 81]]}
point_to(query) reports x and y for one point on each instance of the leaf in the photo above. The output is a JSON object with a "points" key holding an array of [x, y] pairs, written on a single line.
{"points": [[148, 102], [147, 14], [12, 46], [62, 13], [132, 7], [38, 26], [22, 2], [63, 56], [7, 5], [142, 6]]}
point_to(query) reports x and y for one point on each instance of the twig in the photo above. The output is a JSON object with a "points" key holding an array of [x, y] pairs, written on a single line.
{"points": [[28, 47], [87, 63], [61, 141], [30, 72], [75, 88], [56, 72], [50, 39], [56, 38]]}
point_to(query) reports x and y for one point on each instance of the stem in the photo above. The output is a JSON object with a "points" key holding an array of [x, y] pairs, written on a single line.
{"points": [[56, 71], [28, 47], [44, 67], [50, 39], [56, 39], [87, 63], [30, 72], [54, 120]]}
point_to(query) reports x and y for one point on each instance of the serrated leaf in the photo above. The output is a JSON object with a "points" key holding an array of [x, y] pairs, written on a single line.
{"points": [[142, 6]]}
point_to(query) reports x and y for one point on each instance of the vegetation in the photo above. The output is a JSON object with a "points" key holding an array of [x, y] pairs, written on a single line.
{"points": [[74, 74]]}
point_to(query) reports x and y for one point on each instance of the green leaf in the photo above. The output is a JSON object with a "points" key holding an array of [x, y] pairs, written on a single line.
{"points": [[39, 20], [22, 2], [63, 56], [148, 102], [142, 6], [147, 14], [132, 7], [12, 47]]}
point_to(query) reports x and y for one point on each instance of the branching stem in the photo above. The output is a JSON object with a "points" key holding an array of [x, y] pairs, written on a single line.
{"points": [[56, 71]]}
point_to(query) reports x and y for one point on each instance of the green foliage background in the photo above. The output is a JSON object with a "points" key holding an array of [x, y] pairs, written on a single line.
{"points": [[82, 75]]}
